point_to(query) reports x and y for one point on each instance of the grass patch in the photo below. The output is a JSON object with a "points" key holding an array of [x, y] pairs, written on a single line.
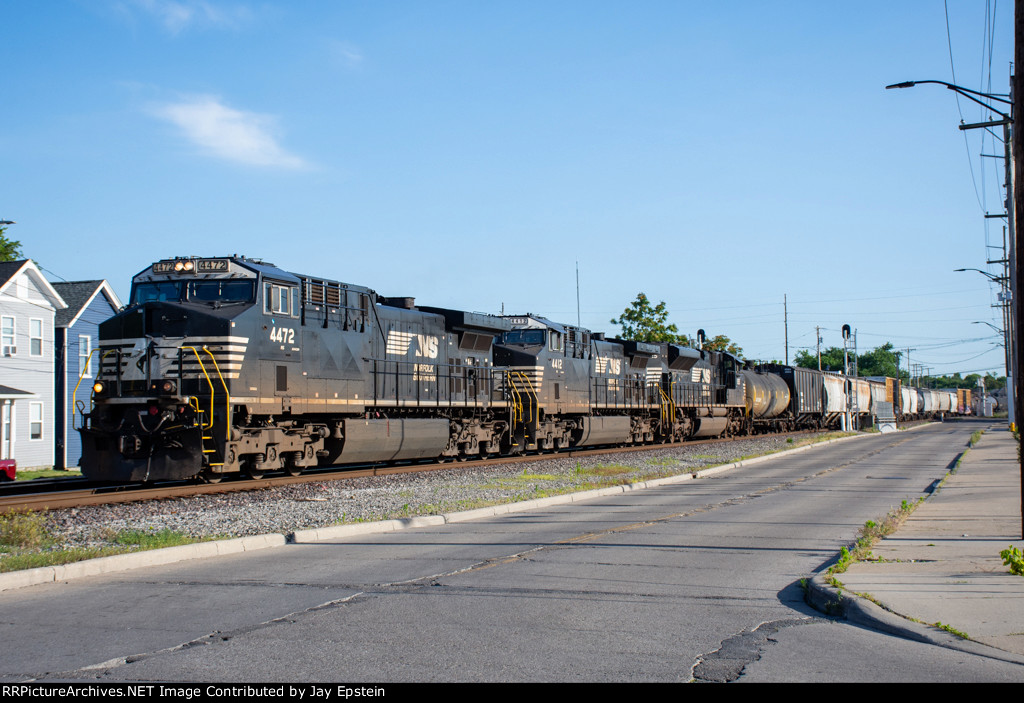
{"points": [[46, 473], [975, 438], [608, 470], [24, 529], [26, 542]]}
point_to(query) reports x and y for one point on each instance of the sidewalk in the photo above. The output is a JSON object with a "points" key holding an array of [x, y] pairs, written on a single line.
{"points": [[943, 564]]}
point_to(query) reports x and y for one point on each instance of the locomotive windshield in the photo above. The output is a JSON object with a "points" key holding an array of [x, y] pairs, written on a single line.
{"points": [[196, 291], [523, 337]]}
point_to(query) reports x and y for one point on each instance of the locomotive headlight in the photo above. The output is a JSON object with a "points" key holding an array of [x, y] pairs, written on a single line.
{"points": [[179, 265], [98, 387], [168, 387], [189, 265]]}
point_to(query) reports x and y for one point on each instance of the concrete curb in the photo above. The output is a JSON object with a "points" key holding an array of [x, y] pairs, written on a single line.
{"points": [[155, 557], [135, 560], [860, 611]]}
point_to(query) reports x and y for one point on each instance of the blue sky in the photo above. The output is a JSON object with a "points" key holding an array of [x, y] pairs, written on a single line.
{"points": [[716, 156]]}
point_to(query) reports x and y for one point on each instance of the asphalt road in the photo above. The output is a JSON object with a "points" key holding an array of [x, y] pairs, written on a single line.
{"points": [[696, 580]]}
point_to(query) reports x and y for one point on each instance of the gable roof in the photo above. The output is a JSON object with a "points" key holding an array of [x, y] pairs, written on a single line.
{"points": [[10, 270], [79, 296]]}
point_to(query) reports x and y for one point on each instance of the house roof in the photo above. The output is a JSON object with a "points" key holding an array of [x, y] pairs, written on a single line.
{"points": [[10, 270], [79, 296], [9, 393]]}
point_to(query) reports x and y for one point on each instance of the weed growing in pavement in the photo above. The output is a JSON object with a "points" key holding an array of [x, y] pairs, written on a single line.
{"points": [[975, 438], [952, 630], [1013, 558], [869, 535]]}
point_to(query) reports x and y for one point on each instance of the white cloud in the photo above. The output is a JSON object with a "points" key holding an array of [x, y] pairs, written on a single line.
{"points": [[226, 133], [177, 15], [345, 54]]}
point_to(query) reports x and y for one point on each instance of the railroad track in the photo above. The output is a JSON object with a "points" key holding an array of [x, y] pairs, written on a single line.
{"points": [[73, 493]]}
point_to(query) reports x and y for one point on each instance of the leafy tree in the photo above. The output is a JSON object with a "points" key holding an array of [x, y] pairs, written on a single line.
{"points": [[722, 343], [10, 250], [831, 359], [880, 361], [643, 322]]}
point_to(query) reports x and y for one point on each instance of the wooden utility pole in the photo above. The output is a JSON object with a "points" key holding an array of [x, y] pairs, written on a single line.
{"points": [[1018, 208]]}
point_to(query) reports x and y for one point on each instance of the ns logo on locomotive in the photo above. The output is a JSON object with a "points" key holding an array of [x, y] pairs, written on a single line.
{"points": [[231, 365]]}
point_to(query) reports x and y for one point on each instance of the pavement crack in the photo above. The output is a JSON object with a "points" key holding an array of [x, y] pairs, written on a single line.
{"points": [[212, 638], [734, 654]]}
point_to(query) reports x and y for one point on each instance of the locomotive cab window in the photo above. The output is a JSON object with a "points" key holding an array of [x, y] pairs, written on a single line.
{"points": [[556, 341], [280, 300]]}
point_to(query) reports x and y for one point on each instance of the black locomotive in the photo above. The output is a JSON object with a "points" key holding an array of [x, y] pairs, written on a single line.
{"points": [[227, 365]]}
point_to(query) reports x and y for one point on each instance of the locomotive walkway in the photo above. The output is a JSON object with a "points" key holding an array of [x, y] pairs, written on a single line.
{"points": [[943, 565]]}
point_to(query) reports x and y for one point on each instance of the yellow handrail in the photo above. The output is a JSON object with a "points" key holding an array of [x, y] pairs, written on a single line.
{"points": [[668, 408], [227, 395], [529, 388], [517, 407], [81, 376], [209, 383]]}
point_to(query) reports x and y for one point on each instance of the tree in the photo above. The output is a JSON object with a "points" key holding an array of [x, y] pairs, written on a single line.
{"points": [[722, 343], [831, 359], [880, 361], [642, 322], [10, 250]]}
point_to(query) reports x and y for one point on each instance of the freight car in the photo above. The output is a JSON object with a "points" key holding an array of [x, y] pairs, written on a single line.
{"points": [[231, 365]]}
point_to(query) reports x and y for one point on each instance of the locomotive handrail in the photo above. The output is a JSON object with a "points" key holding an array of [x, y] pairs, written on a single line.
{"points": [[227, 397], [529, 389], [213, 393], [668, 407], [81, 377], [517, 403]]}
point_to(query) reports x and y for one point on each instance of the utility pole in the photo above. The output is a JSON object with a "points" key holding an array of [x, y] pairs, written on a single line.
{"points": [[1017, 155], [578, 324], [817, 335], [785, 318]]}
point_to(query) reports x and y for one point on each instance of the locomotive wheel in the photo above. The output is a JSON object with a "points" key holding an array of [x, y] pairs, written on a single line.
{"points": [[291, 466], [210, 477]]}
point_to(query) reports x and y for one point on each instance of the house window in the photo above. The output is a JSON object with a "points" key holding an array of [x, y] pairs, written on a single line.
{"points": [[35, 337], [7, 347], [35, 420], [84, 349]]}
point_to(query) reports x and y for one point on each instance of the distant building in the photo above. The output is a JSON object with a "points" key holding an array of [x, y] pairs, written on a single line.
{"points": [[28, 304], [76, 339]]}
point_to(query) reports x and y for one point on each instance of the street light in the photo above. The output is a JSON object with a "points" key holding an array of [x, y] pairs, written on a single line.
{"points": [[997, 329], [966, 92], [994, 278], [1011, 143]]}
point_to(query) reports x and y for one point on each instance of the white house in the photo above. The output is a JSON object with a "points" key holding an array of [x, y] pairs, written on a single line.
{"points": [[28, 304]]}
